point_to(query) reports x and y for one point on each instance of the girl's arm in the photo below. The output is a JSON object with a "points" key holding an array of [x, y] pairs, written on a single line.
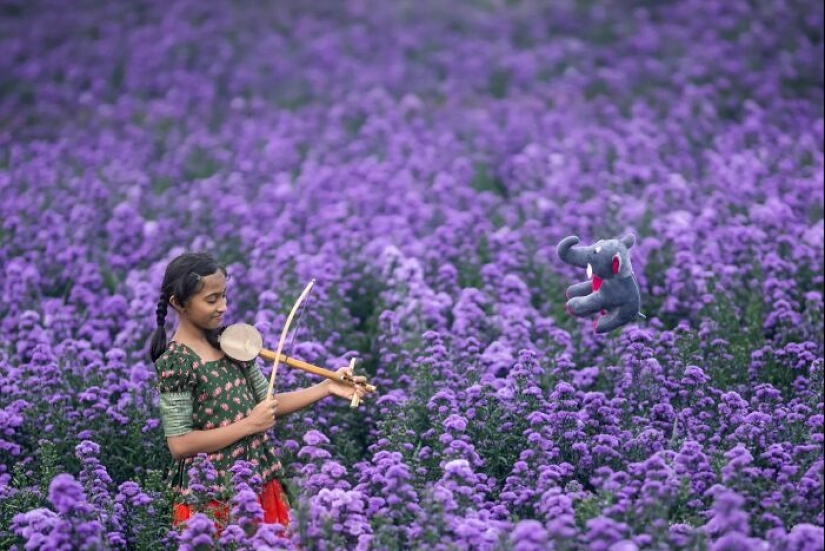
{"points": [[194, 442], [207, 441], [213, 440], [289, 402]]}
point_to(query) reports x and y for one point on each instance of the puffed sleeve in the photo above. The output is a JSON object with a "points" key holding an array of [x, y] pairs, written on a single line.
{"points": [[259, 383], [176, 384]]}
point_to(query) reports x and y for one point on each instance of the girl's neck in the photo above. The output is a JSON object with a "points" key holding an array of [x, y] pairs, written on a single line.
{"points": [[195, 339], [189, 334]]}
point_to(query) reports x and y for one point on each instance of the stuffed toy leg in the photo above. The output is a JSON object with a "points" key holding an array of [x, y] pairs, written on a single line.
{"points": [[611, 290]]}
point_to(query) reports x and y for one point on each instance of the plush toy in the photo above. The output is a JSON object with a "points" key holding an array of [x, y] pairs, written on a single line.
{"points": [[611, 290]]}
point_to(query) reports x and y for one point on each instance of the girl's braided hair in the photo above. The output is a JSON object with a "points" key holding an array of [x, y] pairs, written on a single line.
{"points": [[182, 280]]}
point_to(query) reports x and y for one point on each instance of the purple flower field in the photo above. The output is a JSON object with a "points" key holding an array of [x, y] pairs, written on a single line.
{"points": [[422, 160]]}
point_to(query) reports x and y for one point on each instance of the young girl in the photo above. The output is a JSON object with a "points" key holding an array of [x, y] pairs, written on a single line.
{"points": [[210, 403]]}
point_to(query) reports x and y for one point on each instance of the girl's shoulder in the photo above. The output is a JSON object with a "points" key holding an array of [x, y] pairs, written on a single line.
{"points": [[176, 369], [176, 355]]}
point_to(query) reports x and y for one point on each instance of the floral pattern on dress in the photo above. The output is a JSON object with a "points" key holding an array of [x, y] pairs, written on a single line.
{"points": [[222, 394]]}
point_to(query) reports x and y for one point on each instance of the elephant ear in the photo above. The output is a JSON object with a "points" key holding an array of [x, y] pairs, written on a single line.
{"points": [[629, 240], [617, 264]]}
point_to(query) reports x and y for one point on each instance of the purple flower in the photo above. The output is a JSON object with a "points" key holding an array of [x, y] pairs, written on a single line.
{"points": [[455, 423], [315, 438], [203, 478], [244, 473], [66, 495], [728, 515], [735, 541], [246, 509], [805, 536], [198, 533], [42, 529]]}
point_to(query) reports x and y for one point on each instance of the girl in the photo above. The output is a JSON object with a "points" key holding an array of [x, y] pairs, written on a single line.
{"points": [[210, 403]]}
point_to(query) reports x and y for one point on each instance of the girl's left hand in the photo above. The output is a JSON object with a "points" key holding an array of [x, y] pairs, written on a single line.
{"points": [[343, 390]]}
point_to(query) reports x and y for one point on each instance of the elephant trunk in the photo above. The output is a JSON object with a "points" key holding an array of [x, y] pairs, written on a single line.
{"points": [[576, 256]]}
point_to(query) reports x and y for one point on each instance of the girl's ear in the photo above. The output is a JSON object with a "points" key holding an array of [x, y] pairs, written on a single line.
{"points": [[173, 300]]}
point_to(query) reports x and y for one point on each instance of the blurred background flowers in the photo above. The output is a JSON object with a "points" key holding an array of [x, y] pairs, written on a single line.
{"points": [[421, 160]]}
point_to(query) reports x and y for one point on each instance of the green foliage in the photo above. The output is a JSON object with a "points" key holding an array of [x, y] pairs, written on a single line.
{"points": [[145, 521], [354, 122], [591, 507], [499, 83], [485, 179], [655, 271], [498, 436], [199, 165], [351, 442], [20, 497]]}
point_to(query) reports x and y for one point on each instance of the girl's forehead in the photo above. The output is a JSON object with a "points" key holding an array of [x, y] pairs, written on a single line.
{"points": [[212, 283]]}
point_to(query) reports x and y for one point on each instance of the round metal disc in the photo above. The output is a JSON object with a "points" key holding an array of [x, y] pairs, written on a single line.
{"points": [[241, 342]]}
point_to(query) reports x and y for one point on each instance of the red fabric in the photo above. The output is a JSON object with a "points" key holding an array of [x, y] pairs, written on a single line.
{"points": [[596, 282], [616, 264], [272, 498]]}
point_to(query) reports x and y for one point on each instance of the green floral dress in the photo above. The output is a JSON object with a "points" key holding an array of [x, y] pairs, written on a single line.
{"points": [[199, 395]]}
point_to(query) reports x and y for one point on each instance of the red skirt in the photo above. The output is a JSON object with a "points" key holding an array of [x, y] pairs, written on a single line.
{"points": [[272, 499]]}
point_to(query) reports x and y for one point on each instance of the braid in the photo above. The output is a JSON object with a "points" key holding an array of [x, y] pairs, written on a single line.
{"points": [[160, 311], [159, 336]]}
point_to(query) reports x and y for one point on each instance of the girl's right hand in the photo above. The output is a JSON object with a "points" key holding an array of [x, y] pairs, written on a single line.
{"points": [[262, 417]]}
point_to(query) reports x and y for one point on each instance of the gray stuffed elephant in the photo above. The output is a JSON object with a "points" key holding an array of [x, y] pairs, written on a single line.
{"points": [[611, 289]]}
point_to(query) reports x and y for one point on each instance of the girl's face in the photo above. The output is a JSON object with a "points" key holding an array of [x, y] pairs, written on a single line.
{"points": [[206, 308]]}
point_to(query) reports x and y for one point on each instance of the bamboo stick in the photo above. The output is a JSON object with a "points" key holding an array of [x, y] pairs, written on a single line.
{"points": [[269, 355]]}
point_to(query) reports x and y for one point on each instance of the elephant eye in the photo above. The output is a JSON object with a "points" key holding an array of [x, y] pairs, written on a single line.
{"points": [[598, 249]]}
